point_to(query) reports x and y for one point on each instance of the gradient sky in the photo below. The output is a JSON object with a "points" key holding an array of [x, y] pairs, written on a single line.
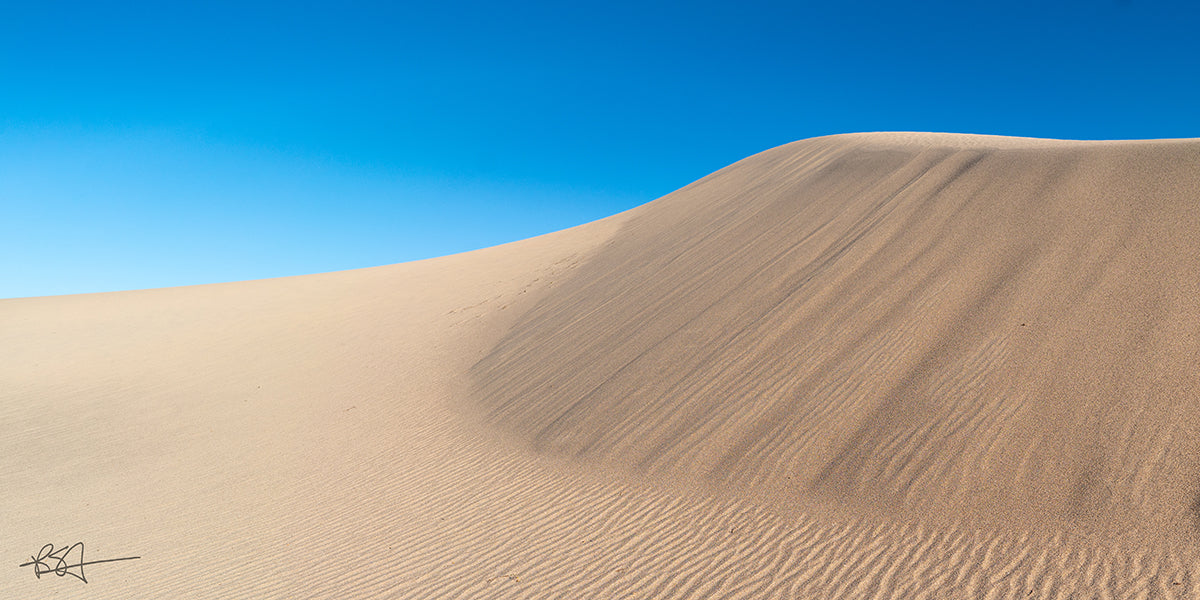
{"points": [[154, 144]]}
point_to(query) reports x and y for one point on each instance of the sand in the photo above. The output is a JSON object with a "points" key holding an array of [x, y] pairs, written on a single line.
{"points": [[894, 365]]}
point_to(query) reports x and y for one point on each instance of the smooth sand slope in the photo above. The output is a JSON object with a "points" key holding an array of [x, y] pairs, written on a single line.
{"points": [[859, 366]]}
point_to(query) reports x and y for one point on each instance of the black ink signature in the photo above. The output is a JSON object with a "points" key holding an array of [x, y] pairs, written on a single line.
{"points": [[48, 554]]}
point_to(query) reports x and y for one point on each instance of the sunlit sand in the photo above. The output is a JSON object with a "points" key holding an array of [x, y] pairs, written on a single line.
{"points": [[895, 365]]}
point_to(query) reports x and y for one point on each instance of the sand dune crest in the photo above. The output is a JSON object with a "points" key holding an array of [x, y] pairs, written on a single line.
{"points": [[866, 366], [999, 330]]}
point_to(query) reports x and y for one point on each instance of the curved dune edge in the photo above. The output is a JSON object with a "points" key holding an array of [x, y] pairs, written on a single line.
{"points": [[321, 436]]}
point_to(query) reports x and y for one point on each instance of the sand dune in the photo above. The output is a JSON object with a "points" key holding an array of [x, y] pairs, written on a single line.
{"points": [[860, 366]]}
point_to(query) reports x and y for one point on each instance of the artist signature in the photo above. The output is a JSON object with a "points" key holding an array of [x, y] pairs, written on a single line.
{"points": [[59, 558]]}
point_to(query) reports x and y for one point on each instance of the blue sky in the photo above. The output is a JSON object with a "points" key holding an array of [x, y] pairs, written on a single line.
{"points": [[158, 144]]}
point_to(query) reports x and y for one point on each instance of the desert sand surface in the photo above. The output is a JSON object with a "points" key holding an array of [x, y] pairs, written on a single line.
{"points": [[895, 365]]}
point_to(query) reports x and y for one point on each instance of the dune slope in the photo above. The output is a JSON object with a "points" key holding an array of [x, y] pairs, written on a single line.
{"points": [[956, 327], [861, 366]]}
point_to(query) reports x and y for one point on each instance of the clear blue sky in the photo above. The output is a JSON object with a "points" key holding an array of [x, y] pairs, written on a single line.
{"points": [[150, 144]]}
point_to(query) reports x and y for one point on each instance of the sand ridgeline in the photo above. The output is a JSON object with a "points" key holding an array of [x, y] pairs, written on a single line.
{"points": [[1005, 333], [892, 365]]}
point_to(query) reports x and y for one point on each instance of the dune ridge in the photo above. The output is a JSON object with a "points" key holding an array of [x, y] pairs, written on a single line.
{"points": [[917, 323], [896, 365]]}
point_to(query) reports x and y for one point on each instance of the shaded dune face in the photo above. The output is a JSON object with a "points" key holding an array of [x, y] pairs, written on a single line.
{"points": [[1008, 333]]}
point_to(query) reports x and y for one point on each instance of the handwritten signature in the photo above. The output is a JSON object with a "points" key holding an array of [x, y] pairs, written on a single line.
{"points": [[47, 555]]}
